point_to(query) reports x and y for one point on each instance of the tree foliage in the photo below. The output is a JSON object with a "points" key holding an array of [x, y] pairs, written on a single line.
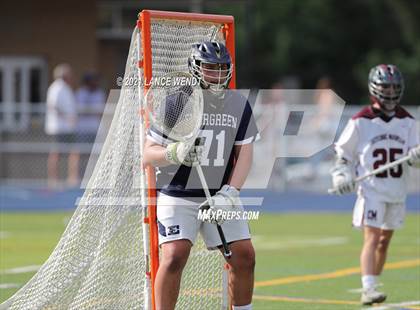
{"points": [[313, 38]]}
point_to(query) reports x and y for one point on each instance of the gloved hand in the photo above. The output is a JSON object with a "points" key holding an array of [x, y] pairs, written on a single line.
{"points": [[178, 153], [342, 179], [225, 200], [414, 156]]}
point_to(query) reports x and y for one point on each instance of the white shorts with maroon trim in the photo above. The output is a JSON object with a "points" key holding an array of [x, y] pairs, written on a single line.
{"points": [[379, 214]]}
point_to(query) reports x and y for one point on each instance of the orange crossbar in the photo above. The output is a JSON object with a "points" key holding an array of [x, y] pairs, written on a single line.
{"points": [[211, 18], [143, 25]]}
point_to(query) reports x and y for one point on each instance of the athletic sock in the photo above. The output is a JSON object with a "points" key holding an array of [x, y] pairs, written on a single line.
{"points": [[376, 280], [246, 307], [368, 281]]}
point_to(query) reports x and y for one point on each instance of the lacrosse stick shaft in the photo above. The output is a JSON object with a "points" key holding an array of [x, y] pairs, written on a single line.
{"points": [[203, 182], [226, 251], [376, 171]]}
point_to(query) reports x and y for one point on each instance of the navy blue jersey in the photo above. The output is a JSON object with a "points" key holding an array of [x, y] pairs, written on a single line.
{"points": [[226, 122]]}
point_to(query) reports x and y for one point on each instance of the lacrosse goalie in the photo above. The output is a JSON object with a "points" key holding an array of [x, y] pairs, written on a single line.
{"points": [[379, 134], [225, 156]]}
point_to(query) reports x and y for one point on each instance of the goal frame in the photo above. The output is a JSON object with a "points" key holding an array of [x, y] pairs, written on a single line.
{"points": [[145, 63]]}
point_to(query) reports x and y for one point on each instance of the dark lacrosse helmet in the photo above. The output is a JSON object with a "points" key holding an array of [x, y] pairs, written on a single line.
{"points": [[201, 63]]}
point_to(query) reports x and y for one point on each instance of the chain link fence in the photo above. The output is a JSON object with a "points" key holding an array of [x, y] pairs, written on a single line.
{"points": [[24, 151]]}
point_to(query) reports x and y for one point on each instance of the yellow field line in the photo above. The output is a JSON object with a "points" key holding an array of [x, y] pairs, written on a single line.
{"points": [[334, 274], [306, 300]]}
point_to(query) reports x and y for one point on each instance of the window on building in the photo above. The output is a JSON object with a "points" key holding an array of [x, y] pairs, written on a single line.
{"points": [[23, 86]]}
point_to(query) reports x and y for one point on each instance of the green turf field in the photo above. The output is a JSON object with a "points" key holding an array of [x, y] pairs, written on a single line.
{"points": [[304, 261]]}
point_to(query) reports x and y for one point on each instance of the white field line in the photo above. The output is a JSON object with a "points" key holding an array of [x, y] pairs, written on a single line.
{"points": [[355, 290], [24, 269], [5, 286], [360, 290], [263, 244], [4, 234], [394, 306]]}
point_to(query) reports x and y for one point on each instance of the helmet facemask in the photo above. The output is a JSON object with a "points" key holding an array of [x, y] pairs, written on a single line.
{"points": [[214, 77], [211, 64], [386, 86]]}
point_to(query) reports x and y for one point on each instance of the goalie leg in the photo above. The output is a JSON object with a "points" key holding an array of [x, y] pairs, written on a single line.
{"points": [[168, 279], [178, 228], [242, 261], [241, 273]]}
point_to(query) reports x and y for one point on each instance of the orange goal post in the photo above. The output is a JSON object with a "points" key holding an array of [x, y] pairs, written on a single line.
{"points": [[165, 41]]}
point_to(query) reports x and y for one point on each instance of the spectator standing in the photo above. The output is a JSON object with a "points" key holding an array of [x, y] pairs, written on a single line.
{"points": [[61, 121]]}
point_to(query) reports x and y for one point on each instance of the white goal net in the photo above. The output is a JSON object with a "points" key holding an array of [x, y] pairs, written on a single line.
{"points": [[101, 260]]}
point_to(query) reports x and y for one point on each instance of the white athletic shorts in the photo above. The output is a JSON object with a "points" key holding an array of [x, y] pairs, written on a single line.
{"points": [[374, 213], [177, 219]]}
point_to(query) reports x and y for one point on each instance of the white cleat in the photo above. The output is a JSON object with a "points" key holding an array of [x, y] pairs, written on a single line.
{"points": [[372, 296]]}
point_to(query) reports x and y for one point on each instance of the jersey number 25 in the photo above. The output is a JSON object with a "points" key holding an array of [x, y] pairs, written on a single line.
{"points": [[383, 156]]}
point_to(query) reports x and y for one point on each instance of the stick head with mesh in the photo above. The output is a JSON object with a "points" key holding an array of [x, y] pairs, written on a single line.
{"points": [[176, 111]]}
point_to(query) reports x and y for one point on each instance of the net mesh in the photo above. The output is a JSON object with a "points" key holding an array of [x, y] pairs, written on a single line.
{"points": [[99, 262]]}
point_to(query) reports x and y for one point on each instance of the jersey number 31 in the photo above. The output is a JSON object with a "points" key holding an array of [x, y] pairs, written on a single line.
{"points": [[219, 160]]}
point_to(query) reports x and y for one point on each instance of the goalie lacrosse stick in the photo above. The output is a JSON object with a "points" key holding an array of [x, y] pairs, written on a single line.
{"points": [[180, 119], [376, 171]]}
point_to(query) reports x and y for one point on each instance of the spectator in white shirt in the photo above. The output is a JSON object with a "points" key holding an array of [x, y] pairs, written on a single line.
{"points": [[61, 122]]}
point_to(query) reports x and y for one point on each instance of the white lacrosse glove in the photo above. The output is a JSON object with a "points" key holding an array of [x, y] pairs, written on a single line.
{"points": [[180, 153], [224, 201], [414, 154], [342, 179]]}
